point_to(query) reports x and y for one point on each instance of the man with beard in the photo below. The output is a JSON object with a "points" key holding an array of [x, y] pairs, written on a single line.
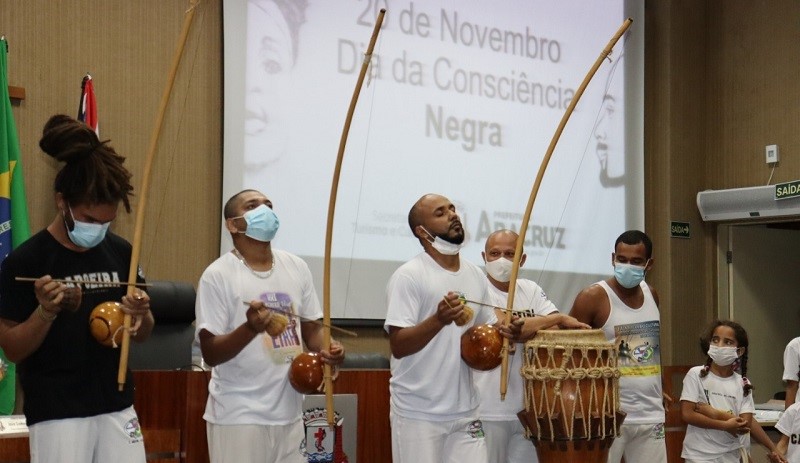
{"points": [[434, 404]]}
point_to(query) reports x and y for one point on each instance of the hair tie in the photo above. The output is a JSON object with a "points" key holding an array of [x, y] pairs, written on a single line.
{"points": [[745, 381]]}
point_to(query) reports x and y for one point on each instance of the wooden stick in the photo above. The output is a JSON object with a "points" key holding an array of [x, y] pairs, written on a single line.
{"points": [[312, 320], [151, 151], [497, 307], [326, 304], [523, 227], [88, 282]]}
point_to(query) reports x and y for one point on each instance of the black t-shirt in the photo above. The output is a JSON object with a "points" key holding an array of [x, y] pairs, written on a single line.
{"points": [[71, 374]]}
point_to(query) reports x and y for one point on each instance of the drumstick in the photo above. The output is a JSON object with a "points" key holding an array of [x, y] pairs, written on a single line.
{"points": [[305, 319], [500, 308], [87, 282]]}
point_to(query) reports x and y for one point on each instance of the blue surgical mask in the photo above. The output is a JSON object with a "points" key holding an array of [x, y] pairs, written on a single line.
{"points": [[262, 223], [86, 234], [628, 275]]}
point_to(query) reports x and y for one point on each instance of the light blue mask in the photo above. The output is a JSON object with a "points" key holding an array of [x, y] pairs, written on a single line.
{"points": [[86, 234], [629, 276], [262, 223]]}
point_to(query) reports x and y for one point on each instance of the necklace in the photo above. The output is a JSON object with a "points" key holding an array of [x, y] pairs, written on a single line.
{"points": [[259, 274]]}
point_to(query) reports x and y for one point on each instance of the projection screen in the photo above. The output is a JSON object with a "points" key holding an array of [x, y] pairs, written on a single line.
{"points": [[462, 99]]}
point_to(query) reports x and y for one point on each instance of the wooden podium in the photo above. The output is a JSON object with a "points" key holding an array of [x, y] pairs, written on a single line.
{"points": [[170, 405]]}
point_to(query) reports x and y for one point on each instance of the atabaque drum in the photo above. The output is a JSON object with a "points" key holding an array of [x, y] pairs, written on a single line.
{"points": [[571, 397]]}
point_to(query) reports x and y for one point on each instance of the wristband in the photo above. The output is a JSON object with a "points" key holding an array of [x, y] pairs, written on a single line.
{"points": [[46, 315]]}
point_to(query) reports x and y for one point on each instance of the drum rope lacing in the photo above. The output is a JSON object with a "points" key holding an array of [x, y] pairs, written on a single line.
{"points": [[601, 367]]}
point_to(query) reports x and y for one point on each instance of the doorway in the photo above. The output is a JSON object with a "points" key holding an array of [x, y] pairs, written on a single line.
{"points": [[759, 287]]}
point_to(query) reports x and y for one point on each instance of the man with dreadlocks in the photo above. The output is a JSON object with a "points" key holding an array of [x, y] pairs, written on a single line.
{"points": [[73, 408]]}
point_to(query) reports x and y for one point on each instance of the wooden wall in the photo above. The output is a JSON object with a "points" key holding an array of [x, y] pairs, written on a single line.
{"points": [[718, 87], [674, 163], [128, 48], [717, 90]]}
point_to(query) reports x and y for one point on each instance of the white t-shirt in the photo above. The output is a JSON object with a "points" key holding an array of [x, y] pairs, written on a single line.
{"points": [[636, 334], [791, 360], [253, 387], [434, 384], [530, 300], [723, 394], [789, 425]]}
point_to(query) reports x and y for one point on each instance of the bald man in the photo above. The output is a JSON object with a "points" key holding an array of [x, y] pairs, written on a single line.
{"points": [[434, 403], [505, 436]]}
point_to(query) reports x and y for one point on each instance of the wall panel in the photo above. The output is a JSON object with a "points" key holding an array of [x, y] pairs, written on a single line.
{"points": [[128, 49]]}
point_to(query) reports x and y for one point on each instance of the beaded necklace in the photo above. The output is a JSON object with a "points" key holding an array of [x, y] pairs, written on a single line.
{"points": [[259, 274]]}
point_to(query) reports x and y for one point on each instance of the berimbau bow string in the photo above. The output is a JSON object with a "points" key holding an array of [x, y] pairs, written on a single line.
{"points": [[151, 151], [535, 190], [326, 292]]}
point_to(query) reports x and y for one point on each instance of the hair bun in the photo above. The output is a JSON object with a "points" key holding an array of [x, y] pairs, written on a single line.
{"points": [[67, 139]]}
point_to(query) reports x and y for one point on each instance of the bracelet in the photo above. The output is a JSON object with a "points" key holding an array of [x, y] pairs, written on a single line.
{"points": [[46, 315]]}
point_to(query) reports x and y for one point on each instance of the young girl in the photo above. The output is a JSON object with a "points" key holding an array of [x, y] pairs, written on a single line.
{"points": [[716, 402]]}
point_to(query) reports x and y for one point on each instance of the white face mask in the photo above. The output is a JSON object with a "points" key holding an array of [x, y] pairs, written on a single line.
{"points": [[444, 247], [500, 269], [723, 356]]}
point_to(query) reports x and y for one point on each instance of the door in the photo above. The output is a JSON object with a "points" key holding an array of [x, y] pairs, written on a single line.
{"points": [[762, 294]]}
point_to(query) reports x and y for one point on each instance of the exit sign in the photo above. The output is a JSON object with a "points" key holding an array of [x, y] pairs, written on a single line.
{"points": [[787, 190], [679, 229]]}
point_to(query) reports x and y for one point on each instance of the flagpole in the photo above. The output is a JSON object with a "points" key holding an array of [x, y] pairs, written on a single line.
{"points": [[142, 193]]}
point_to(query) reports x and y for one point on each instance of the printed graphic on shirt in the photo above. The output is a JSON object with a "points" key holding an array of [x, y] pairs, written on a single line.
{"points": [[286, 346], [720, 400], [639, 348], [98, 277], [531, 312]]}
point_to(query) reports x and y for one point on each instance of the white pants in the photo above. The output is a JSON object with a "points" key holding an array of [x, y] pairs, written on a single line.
{"points": [[456, 441], [730, 457], [112, 437], [507, 443], [639, 443], [255, 443]]}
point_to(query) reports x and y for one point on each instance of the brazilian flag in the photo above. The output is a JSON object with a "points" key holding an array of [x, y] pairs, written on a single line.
{"points": [[14, 227]]}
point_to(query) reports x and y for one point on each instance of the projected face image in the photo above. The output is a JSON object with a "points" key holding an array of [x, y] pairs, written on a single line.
{"points": [[272, 30], [604, 143]]}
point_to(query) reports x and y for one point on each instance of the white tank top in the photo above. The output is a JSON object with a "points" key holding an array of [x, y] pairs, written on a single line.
{"points": [[636, 335]]}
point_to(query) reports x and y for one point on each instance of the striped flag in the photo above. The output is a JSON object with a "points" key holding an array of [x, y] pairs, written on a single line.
{"points": [[87, 109], [14, 227]]}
